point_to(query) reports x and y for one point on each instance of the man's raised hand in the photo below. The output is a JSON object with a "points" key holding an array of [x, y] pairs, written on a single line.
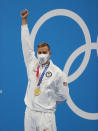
{"points": [[24, 15]]}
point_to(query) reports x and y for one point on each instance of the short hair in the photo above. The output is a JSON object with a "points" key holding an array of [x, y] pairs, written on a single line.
{"points": [[43, 44]]}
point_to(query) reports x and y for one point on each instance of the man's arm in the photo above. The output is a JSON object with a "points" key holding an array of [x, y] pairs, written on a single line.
{"points": [[28, 49], [62, 89], [24, 15]]}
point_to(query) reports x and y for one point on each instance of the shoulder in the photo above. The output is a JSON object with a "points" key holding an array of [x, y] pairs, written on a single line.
{"points": [[60, 74], [54, 67], [57, 70]]}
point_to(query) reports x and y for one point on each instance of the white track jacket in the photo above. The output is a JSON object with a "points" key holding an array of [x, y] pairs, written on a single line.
{"points": [[52, 87]]}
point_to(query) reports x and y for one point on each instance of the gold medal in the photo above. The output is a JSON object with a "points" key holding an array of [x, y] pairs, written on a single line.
{"points": [[37, 91]]}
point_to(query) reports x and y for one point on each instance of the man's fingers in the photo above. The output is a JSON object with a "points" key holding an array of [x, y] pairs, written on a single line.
{"points": [[24, 13]]}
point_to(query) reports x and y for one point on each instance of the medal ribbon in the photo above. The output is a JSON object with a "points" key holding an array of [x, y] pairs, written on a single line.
{"points": [[42, 75], [37, 73]]}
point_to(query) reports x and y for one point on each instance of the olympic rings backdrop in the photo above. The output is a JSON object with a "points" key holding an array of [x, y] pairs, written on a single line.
{"points": [[71, 30]]}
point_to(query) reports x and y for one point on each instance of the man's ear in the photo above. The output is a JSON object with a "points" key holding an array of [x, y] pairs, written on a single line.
{"points": [[50, 53]]}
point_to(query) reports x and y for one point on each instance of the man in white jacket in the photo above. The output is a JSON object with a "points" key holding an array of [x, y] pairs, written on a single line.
{"points": [[47, 84]]}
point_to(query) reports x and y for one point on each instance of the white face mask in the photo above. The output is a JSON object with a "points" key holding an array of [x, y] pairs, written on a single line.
{"points": [[43, 58]]}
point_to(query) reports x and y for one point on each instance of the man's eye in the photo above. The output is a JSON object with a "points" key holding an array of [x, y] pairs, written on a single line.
{"points": [[44, 52], [39, 52]]}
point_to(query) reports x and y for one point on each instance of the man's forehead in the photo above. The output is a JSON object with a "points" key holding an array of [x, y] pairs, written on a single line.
{"points": [[42, 48]]}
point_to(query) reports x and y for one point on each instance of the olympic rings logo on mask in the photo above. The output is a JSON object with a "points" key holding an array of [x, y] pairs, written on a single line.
{"points": [[87, 47]]}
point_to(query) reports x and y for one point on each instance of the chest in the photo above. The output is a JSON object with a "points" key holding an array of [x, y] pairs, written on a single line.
{"points": [[48, 79]]}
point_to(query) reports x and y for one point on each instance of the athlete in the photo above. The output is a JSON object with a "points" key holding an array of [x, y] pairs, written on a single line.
{"points": [[47, 84]]}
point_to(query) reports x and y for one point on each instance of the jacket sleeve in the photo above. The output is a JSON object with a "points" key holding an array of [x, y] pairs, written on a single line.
{"points": [[27, 46], [62, 91]]}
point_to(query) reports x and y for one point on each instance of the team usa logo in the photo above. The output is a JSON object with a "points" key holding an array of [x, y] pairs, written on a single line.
{"points": [[48, 74]]}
